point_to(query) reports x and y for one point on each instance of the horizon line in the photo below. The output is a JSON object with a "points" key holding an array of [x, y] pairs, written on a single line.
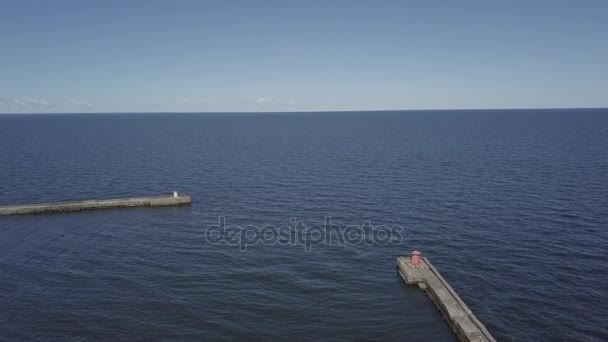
{"points": [[309, 111]]}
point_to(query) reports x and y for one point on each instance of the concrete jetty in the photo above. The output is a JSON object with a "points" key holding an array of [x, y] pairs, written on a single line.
{"points": [[416, 270], [153, 201]]}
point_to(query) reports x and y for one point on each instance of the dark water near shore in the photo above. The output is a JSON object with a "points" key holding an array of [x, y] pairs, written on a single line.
{"points": [[511, 207]]}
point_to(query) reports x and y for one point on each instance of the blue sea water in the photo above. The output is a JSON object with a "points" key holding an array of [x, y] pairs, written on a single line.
{"points": [[511, 206]]}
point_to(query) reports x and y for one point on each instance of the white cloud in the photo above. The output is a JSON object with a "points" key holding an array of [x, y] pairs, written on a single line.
{"points": [[272, 101], [80, 103], [233, 103], [189, 101], [24, 102]]}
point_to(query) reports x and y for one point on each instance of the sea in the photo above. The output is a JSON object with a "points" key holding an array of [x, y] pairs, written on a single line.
{"points": [[511, 206]]}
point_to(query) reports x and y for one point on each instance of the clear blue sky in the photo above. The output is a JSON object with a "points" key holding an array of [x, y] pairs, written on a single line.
{"points": [[97, 56]]}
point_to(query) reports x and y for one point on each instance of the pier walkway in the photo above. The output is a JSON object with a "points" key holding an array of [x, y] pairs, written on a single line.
{"points": [[419, 271], [153, 201]]}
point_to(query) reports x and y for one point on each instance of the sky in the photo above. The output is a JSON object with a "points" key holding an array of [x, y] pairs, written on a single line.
{"points": [[308, 55]]}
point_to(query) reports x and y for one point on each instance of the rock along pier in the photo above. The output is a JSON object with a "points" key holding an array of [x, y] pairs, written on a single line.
{"points": [[41, 208], [419, 271]]}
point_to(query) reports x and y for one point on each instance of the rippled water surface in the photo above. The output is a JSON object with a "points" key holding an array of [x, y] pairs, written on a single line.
{"points": [[511, 207]]}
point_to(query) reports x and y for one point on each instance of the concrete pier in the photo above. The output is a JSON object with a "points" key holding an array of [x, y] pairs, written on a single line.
{"points": [[419, 271], [153, 201]]}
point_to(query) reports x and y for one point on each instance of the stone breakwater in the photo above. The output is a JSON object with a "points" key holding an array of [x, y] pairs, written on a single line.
{"points": [[42, 208], [419, 271]]}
